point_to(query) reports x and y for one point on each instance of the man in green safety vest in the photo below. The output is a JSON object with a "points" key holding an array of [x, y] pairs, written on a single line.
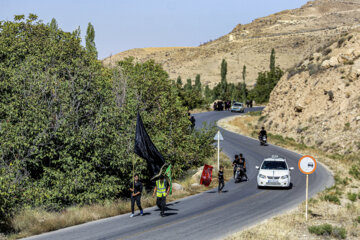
{"points": [[162, 190]]}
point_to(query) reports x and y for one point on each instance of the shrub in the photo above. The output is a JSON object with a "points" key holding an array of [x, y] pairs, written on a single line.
{"points": [[314, 68], [326, 51], [355, 171], [350, 62], [358, 219], [321, 230], [332, 198], [339, 232], [352, 196], [327, 230], [341, 41], [347, 126]]}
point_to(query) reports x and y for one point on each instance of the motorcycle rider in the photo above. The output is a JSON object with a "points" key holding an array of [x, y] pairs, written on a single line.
{"points": [[262, 133], [242, 164]]}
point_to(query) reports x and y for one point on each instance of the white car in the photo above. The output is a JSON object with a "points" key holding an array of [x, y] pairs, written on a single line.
{"points": [[274, 172], [237, 107]]}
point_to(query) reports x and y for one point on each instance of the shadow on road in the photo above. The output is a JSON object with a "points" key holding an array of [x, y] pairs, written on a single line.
{"points": [[169, 214], [147, 213]]}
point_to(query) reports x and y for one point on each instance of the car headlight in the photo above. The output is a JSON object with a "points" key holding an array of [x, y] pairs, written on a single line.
{"points": [[262, 176], [285, 177]]}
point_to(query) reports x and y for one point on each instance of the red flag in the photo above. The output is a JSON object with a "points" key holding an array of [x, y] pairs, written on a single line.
{"points": [[206, 175]]}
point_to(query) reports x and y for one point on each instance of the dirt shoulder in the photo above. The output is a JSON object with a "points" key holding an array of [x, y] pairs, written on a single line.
{"points": [[333, 213]]}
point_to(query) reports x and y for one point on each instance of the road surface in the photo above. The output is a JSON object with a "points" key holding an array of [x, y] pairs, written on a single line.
{"points": [[210, 215]]}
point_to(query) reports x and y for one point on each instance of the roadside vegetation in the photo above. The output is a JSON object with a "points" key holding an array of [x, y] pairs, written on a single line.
{"points": [[332, 213], [34, 221], [67, 126], [196, 96]]}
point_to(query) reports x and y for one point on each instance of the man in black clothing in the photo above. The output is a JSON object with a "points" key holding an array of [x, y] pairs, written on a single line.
{"points": [[136, 190], [221, 179], [243, 165], [235, 162], [262, 132]]}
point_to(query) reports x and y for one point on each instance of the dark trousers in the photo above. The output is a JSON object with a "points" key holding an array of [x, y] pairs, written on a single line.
{"points": [[136, 199], [221, 185], [161, 203]]}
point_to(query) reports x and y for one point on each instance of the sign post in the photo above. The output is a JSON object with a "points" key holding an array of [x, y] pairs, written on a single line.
{"points": [[219, 138], [307, 165]]}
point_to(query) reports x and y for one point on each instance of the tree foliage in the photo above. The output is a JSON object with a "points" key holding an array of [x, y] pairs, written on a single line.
{"points": [[266, 81], [90, 40], [67, 124]]}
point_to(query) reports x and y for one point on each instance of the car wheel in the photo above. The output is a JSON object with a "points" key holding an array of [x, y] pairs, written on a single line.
{"points": [[259, 187]]}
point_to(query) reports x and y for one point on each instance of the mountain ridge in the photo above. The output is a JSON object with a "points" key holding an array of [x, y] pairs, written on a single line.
{"points": [[294, 34]]}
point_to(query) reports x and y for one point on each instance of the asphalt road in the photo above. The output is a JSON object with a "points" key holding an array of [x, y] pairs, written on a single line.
{"points": [[210, 215]]}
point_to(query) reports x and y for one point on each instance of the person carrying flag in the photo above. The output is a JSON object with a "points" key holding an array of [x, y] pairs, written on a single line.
{"points": [[162, 190], [136, 191]]}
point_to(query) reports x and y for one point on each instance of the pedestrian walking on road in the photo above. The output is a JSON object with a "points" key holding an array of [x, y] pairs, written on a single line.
{"points": [[136, 190], [162, 190], [235, 162], [221, 179]]}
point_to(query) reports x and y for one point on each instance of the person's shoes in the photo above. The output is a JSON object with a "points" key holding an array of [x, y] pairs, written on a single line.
{"points": [[132, 215], [141, 213]]}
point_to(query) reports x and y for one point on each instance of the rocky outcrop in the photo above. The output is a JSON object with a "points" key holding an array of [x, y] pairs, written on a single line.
{"points": [[318, 102]]}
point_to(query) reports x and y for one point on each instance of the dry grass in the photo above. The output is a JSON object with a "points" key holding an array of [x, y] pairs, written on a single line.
{"points": [[35, 221], [292, 225]]}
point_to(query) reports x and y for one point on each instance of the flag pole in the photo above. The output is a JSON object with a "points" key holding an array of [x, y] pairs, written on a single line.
{"points": [[218, 150], [133, 175]]}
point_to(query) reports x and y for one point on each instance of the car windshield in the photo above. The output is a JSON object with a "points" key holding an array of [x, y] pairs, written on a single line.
{"points": [[270, 165], [238, 104]]}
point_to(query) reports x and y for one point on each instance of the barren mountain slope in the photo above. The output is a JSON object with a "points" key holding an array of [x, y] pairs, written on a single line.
{"points": [[318, 103], [293, 33]]}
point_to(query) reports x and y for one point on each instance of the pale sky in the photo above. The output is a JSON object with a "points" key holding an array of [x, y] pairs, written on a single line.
{"points": [[125, 24]]}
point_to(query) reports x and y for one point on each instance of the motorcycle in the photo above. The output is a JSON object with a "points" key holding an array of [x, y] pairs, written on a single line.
{"points": [[240, 175], [263, 140]]}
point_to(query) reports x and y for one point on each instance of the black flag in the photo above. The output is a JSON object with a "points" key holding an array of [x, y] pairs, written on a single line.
{"points": [[145, 148]]}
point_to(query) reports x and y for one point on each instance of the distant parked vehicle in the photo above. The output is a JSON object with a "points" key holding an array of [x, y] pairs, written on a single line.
{"points": [[238, 107], [274, 172]]}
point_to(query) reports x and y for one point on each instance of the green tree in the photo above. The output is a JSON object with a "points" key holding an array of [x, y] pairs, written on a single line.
{"points": [[179, 82], [90, 40], [272, 60], [223, 72], [197, 86], [244, 84], [67, 123], [266, 81], [188, 85], [208, 94], [53, 25]]}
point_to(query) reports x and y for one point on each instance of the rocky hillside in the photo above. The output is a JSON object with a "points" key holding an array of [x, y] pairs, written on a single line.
{"points": [[293, 33], [318, 102]]}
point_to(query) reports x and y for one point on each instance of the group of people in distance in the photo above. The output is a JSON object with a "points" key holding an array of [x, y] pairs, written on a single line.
{"points": [[222, 105], [226, 105]]}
